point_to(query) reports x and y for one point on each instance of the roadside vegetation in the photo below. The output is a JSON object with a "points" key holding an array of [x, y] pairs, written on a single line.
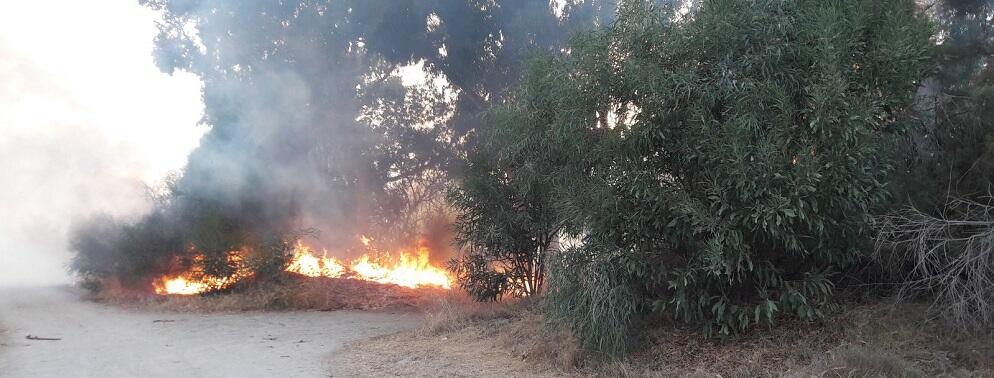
{"points": [[646, 188]]}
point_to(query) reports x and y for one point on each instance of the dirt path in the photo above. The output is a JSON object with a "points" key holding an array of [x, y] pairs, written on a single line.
{"points": [[103, 341]]}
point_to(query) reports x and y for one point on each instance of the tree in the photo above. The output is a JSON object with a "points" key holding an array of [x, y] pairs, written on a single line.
{"points": [[950, 153], [721, 166]]}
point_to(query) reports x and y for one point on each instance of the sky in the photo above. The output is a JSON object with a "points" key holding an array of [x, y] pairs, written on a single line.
{"points": [[86, 121]]}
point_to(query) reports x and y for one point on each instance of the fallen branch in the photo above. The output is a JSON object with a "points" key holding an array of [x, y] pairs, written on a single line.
{"points": [[30, 337], [949, 256]]}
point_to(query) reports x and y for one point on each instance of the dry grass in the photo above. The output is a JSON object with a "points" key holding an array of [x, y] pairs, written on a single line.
{"points": [[293, 293], [460, 338], [862, 361], [467, 339]]}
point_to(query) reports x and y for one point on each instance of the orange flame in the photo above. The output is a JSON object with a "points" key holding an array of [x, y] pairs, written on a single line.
{"points": [[410, 271], [406, 269], [305, 263], [180, 286], [191, 283]]}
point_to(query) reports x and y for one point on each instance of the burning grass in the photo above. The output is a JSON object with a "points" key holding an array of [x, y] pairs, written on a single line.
{"points": [[411, 269], [863, 340], [293, 292]]}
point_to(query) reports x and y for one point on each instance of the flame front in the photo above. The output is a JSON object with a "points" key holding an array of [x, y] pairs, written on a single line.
{"points": [[180, 286], [305, 263], [191, 283], [410, 271], [406, 269]]}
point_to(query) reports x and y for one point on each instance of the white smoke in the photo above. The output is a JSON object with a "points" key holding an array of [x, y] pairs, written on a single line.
{"points": [[86, 119]]}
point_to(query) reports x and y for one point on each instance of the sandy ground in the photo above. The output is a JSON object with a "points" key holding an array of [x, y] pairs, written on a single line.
{"points": [[104, 341]]}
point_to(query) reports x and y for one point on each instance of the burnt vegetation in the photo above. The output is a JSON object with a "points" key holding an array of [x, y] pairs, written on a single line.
{"points": [[725, 165]]}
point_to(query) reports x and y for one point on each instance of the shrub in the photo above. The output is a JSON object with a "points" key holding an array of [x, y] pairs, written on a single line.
{"points": [[506, 223], [478, 278], [131, 252], [597, 294], [720, 166], [178, 235], [269, 259], [94, 243]]}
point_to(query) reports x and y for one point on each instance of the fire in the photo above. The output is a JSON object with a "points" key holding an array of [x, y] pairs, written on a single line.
{"points": [[181, 286], [408, 269], [191, 283], [304, 262]]}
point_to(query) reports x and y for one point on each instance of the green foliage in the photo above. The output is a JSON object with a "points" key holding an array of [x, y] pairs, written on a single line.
{"points": [[506, 222], [720, 166], [596, 292]]}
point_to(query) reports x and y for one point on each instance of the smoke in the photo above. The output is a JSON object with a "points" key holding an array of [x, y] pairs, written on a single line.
{"points": [[309, 121], [312, 124], [86, 119]]}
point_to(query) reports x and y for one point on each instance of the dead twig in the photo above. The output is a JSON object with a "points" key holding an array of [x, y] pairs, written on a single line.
{"points": [[32, 337], [949, 256]]}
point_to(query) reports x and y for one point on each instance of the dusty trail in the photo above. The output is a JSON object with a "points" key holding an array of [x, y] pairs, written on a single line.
{"points": [[104, 341]]}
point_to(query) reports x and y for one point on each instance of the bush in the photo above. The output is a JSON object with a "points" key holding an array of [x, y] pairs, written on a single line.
{"points": [[94, 243], [597, 295], [131, 252], [178, 235], [506, 223], [721, 166], [478, 278]]}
